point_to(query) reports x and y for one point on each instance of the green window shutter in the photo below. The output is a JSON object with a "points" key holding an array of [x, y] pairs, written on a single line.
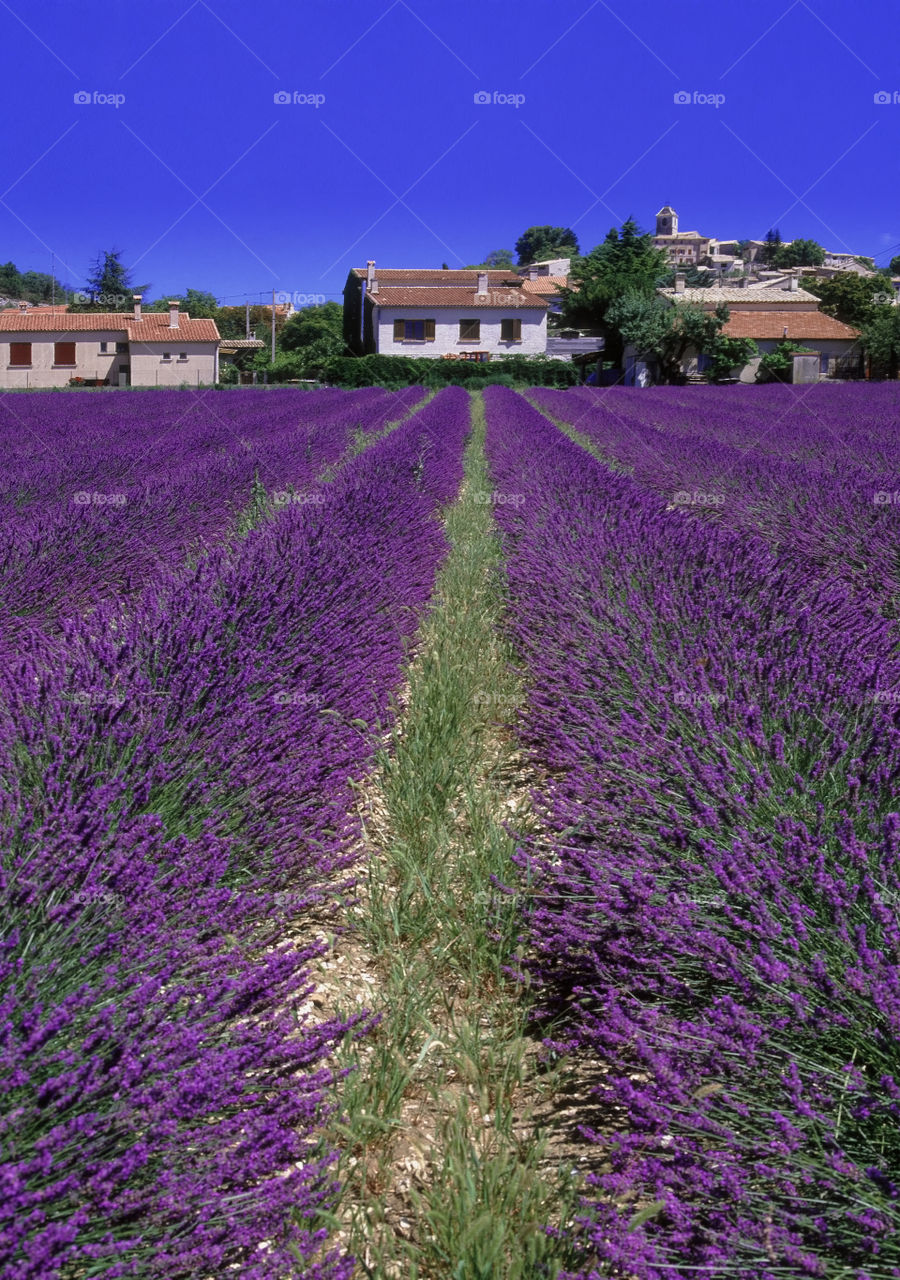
{"points": [[429, 331], [517, 330], [399, 330]]}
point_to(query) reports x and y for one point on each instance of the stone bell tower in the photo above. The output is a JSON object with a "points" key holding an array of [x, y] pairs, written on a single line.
{"points": [[667, 221]]}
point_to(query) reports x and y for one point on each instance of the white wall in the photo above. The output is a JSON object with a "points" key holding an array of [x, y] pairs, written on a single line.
{"points": [[149, 369], [89, 363], [446, 328]]}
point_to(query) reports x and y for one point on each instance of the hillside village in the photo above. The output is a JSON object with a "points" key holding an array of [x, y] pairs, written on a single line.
{"points": [[476, 315]]}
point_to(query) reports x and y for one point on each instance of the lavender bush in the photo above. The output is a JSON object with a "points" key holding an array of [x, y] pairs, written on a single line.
{"points": [[99, 493], [177, 801], [714, 908]]}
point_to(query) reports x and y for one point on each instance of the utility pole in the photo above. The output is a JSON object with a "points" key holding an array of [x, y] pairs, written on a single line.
{"points": [[247, 319], [273, 326]]}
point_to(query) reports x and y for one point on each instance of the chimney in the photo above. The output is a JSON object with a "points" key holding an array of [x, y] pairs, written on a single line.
{"points": [[744, 281], [532, 273], [679, 282], [482, 282], [370, 274], [137, 305], [793, 283], [173, 315], [784, 332]]}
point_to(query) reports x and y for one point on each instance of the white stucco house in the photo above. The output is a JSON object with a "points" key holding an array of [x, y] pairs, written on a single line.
{"points": [[50, 348], [476, 315]]}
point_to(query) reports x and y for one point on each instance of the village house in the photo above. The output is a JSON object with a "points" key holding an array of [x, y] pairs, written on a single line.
{"points": [[452, 314], [51, 348], [769, 313]]}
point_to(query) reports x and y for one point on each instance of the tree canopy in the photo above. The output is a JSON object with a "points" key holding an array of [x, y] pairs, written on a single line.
{"points": [[800, 253], [663, 333], [109, 285], [496, 260], [849, 297], [626, 262], [30, 286], [536, 244], [881, 341]]}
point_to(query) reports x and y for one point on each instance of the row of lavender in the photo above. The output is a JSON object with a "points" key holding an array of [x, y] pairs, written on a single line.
{"points": [[714, 913], [822, 424], [818, 475], [99, 492], [177, 799]]}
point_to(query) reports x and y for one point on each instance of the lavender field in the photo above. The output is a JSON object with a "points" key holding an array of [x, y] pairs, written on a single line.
{"points": [[715, 686], [225, 618]]}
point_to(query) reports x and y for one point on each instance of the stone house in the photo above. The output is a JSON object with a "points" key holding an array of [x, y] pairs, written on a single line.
{"points": [[150, 349]]}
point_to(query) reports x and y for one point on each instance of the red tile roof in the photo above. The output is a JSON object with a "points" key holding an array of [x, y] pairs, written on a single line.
{"points": [[429, 276], [801, 325], [152, 327], [444, 297], [549, 286]]}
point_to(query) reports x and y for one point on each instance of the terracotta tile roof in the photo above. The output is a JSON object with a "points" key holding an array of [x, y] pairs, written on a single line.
{"points": [[802, 326], [444, 297], [153, 327], [428, 276], [547, 285]]}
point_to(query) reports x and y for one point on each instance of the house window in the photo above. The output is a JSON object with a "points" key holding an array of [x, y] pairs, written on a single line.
{"points": [[182, 355], [104, 348], [20, 354], [414, 331], [64, 353], [167, 355], [823, 363], [470, 330], [511, 330], [121, 348]]}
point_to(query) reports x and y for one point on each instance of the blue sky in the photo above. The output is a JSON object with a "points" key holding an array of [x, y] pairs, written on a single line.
{"points": [[155, 128]]}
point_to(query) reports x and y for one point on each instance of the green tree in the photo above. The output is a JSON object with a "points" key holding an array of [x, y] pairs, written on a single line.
{"points": [[536, 244], [848, 297], [663, 334], [800, 253], [778, 365], [311, 325], [197, 303], [496, 260], [881, 342], [894, 266], [770, 250], [694, 277], [109, 285], [626, 262], [727, 355]]}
